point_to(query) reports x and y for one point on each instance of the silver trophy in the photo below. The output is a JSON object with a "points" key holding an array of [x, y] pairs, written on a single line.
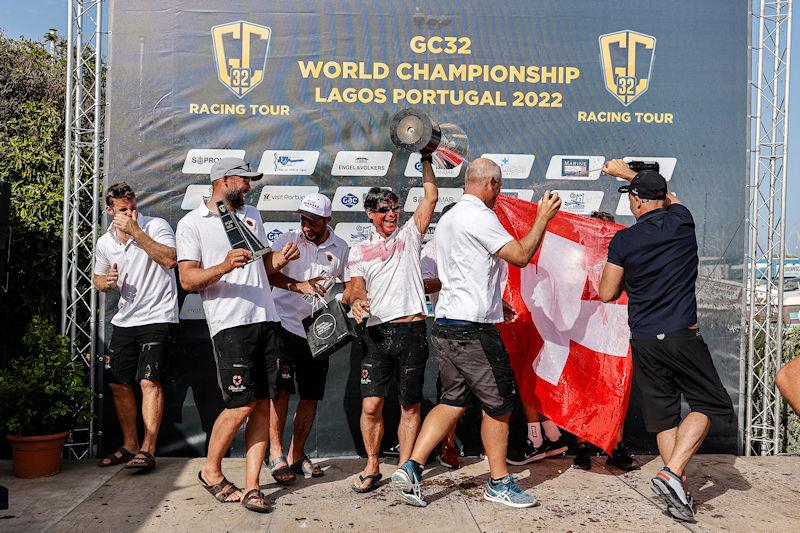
{"points": [[414, 131]]}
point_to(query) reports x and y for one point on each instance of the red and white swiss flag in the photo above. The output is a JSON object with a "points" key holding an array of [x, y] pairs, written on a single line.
{"points": [[569, 351]]}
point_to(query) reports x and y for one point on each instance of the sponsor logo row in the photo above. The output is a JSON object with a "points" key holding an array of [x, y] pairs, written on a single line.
{"points": [[374, 163], [288, 197]]}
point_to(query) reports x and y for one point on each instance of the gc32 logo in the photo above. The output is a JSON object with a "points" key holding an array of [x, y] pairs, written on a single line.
{"points": [[627, 60], [240, 52]]}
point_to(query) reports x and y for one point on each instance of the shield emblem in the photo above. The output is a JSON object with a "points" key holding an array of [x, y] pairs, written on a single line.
{"points": [[237, 380], [627, 60], [240, 52]]}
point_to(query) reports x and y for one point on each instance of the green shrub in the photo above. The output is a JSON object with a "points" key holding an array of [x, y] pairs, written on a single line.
{"points": [[43, 391]]}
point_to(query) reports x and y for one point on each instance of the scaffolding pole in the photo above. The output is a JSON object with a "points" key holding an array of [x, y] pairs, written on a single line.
{"points": [[83, 144], [763, 305]]}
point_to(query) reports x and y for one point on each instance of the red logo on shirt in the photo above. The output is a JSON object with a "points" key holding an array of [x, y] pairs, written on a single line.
{"points": [[330, 258]]}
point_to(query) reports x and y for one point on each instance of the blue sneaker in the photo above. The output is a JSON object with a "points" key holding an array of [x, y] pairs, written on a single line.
{"points": [[507, 492], [409, 482], [669, 486]]}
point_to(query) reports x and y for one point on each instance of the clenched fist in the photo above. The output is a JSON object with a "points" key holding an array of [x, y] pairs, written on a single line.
{"points": [[126, 224], [549, 205]]}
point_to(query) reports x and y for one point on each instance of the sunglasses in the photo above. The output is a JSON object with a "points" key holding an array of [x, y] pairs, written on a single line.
{"points": [[385, 209]]}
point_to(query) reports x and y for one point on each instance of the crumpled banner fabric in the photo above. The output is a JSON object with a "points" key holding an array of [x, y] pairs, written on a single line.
{"points": [[570, 352]]}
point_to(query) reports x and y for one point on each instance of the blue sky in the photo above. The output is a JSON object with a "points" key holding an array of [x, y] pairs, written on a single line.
{"points": [[32, 19]]}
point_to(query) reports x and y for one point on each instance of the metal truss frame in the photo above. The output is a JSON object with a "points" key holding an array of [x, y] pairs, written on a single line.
{"points": [[762, 310], [83, 145]]}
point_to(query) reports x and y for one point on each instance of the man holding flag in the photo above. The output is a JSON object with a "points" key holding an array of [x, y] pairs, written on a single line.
{"points": [[473, 361]]}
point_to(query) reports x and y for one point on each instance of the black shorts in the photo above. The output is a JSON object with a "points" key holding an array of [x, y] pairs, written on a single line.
{"points": [[246, 357], [473, 362], [296, 364], [137, 352], [678, 364], [395, 349]]}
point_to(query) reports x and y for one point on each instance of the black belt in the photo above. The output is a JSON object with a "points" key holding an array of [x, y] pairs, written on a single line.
{"points": [[456, 323], [683, 333]]}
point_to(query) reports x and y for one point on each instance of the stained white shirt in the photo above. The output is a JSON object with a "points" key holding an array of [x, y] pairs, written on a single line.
{"points": [[391, 269]]}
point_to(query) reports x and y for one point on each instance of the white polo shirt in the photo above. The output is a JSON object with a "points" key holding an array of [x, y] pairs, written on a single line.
{"points": [[241, 296], [329, 259], [468, 237], [148, 293], [390, 267]]}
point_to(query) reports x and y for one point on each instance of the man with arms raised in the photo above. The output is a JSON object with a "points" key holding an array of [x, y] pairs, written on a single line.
{"points": [[386, 282], [135, 257], [242, 321], [473, 362], [655, 262]]}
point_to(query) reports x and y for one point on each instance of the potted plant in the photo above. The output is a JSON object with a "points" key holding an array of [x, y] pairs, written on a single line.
{"points": [[43, 395]]}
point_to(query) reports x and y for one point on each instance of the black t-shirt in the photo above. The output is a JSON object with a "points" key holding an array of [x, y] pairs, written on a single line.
{"points": [[659, 255]]}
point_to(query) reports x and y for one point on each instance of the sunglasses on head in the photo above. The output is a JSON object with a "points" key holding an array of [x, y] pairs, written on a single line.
{"points": [[385, 209]]}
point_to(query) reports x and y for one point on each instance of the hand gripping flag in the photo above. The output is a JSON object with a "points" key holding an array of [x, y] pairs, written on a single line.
{"points": [[569, 351]]}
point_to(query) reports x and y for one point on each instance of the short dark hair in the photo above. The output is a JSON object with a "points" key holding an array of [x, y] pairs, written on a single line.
{"points": [[117, 191], [602, 215], [377, 195]]}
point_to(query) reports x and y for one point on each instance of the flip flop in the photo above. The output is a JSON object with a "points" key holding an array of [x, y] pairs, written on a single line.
{"points": [[304, 467], [221, 490], [369, 488], [144, 461], [113, 459], [254, 500]]}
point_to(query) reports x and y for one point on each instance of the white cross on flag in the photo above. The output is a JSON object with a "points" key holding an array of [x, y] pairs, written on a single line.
{"points": [[569, 351]]}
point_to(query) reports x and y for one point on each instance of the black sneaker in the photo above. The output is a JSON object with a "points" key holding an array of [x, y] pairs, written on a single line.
{"points": [[583, 457], [622, 458], [531, 454]]}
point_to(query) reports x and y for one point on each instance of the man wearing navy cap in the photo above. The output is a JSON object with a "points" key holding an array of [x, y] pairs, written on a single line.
{"points": [[655, 261]]}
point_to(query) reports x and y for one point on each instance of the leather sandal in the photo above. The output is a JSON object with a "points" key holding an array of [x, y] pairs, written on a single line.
{"points": [[254, 500], [284, 472], [304, 467]]}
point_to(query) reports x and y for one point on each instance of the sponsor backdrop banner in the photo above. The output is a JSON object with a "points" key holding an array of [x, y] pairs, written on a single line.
{"points": [[549, 90]]}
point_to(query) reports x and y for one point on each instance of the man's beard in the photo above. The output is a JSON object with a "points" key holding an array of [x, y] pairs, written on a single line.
{"points": [[235, 198]]}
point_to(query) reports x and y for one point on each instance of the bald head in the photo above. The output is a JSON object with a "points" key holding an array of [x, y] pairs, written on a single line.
{"points": [[484, 179], [480, 170]]}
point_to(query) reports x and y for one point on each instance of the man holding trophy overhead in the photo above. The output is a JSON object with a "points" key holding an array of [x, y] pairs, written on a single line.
{"points": [[386, 282]]}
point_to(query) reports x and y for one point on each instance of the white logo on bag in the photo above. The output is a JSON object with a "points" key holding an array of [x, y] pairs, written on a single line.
{"points": [[324, 326]]}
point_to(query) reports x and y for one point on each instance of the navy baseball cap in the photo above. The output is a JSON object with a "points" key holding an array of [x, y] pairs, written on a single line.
{"points": [[647, 185]]}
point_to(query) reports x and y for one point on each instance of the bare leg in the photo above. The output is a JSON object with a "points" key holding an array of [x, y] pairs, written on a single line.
{"points": [[301, 428], [494, 434], [788, 382], [408, 429], [437, 425], [690, 435], [372, 433], [277, 422], [255, 439], [222, 434], [125, 406], [152, 411]]}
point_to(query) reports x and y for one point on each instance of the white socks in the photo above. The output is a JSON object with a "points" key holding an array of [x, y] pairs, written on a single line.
{"points": [[535, 434], [551, 430]]}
